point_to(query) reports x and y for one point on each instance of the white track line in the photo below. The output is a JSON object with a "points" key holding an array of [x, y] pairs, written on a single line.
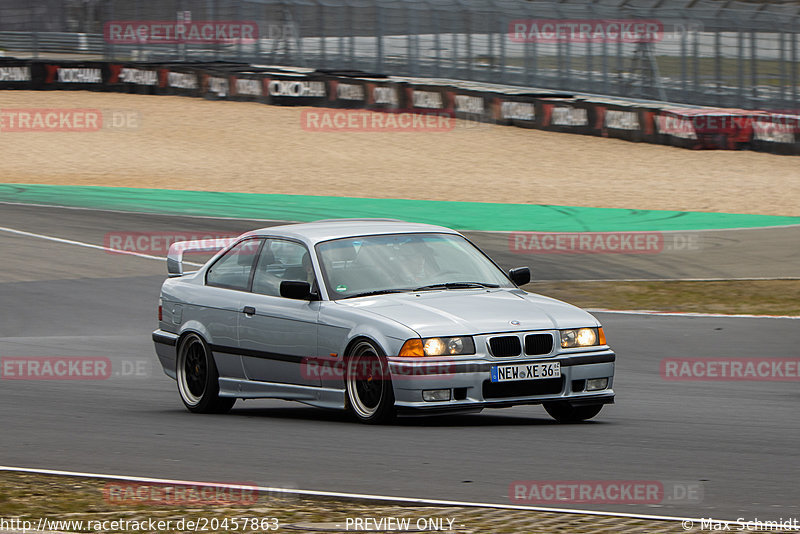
{"points": [[118, 251], [342, 495], [744, 279], [692, 314], [86, 245], [104, 210], [160, 258]]}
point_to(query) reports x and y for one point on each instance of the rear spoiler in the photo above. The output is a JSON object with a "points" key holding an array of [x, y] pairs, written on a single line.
{"points": [[177, 249]]}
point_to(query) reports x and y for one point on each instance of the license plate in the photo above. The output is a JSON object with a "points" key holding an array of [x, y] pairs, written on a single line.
{"points": [[525, 371]]}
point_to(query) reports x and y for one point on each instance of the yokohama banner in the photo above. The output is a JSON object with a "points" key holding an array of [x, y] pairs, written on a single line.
{"points": [[614, 118], [286, 89], [385, 95], [471, 105], [74, 75], [247, 86], [347, 93], [179, 80], [16, 74], [571, 115], [510, 110], [139, 78], [428, 99]]}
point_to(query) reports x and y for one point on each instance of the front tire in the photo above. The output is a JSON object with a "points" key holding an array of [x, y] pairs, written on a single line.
{"points": [[564, 412], [198, 379], [370, 396]]}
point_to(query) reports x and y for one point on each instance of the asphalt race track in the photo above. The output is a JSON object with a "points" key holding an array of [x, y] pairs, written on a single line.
{"points": [[738, 440]]}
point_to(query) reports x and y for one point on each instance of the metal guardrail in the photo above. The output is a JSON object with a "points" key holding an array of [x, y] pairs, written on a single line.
{"points": [[37, 44], [711, 52]]}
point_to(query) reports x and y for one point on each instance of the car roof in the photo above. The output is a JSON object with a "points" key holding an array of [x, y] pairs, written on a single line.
{"points": [[324, 230]]}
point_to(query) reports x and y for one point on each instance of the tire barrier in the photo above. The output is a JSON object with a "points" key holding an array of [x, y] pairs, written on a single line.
{"points": [[776, 131]]}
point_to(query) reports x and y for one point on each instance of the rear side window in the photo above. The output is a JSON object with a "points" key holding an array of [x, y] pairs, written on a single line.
{"points": [[233, 270]]}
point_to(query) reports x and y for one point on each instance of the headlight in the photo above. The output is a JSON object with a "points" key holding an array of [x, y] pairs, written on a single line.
{"points": [[582, 337], [438, 346]]}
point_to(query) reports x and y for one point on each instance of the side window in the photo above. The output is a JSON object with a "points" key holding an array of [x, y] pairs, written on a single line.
{"points": [[281, 260], [233, 269]]}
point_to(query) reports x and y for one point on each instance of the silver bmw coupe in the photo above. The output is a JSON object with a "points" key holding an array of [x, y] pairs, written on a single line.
{"points": [[380, 317]]}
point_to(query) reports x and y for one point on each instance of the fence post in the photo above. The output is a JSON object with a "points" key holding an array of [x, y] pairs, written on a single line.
{"points": [[526, 62], [337, 14], [468, 33], [503, 34], [352, 38], [782, 45], [793, 73], [257, 44], [490, 37], [718, 67], [379, 31], [753, 66], [740, 71], [684, 69], [437, 42], [620, 68], [695, 66], [322, 55], [604, 49], [239, 17]]}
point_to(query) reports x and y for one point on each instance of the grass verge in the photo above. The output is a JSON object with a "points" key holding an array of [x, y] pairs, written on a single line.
{"points": [[758, 297]]}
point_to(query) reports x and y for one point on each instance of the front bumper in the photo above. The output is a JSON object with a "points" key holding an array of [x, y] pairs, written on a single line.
{"points": [[469, 382]]}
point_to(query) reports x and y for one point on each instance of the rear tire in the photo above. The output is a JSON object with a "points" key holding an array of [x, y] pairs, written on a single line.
{"points": [[198, 379], [564, 412], [370, 396]]}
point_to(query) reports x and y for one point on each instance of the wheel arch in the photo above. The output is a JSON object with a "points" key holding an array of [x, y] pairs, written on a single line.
{"points": [[356, 340], [194, 327]]}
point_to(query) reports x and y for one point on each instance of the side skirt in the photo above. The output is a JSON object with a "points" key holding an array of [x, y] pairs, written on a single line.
{"points": [[314, 396]]}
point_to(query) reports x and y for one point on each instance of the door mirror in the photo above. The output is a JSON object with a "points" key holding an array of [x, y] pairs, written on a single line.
{"points": [[520, 275], [296, 290]]}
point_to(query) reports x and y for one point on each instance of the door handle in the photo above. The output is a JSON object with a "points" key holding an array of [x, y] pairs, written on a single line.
{"points": [[249, 311]]}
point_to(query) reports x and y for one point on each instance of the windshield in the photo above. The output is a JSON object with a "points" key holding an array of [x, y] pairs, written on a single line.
{"points": [[403, 262]]}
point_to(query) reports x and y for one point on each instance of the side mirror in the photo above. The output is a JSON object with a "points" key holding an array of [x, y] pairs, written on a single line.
{"points": [[520, 275], [296, 290]]}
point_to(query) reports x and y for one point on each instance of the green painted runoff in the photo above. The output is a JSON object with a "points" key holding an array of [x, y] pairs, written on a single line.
{"points": [[476, 216]]}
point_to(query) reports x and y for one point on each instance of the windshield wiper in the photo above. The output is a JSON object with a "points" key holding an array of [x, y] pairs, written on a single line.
{"points": [[456, 285], [377, 292]]}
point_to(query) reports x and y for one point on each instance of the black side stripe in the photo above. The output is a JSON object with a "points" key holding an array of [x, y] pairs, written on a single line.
{"points": [[564, 361], [259, 354]]}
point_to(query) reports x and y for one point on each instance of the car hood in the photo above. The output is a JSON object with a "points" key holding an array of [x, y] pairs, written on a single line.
{"points": [[473, 311]]}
